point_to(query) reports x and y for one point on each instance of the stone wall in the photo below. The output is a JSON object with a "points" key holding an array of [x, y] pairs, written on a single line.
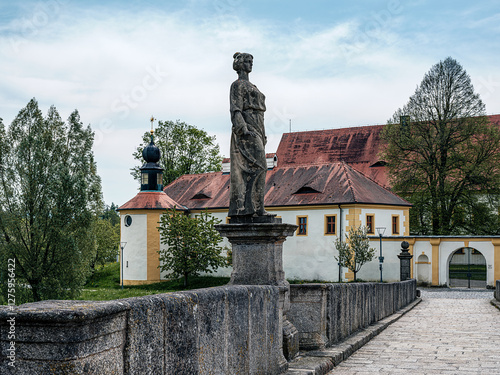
{"points": [[223, 330], [325, 314], [497, 291]]}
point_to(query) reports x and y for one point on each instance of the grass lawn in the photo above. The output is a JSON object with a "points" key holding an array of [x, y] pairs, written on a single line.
{"points": [[105, 285]]}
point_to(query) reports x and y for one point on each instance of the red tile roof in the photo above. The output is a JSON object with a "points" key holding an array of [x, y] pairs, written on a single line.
{"points": [[358, 146], [152, 200], [336, 166], [323, 184]]}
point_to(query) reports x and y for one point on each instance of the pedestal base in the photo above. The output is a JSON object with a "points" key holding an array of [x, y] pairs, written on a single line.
{"points": [[258, 260]]}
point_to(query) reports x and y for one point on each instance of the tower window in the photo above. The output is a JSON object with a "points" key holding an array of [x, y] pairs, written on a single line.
{"points": [[128, 220], [145, 179]]}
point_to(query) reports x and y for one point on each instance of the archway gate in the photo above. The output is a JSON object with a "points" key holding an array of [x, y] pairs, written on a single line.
{"points": [[442, 250], [467, 268]]}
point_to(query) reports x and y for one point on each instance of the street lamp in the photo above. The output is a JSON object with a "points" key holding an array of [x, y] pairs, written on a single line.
{"points": [[380, 231], [122, 246]]}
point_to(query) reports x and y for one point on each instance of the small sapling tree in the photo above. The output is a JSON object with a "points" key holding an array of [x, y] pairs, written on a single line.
{"points": [[355, 251], [192, 244]]}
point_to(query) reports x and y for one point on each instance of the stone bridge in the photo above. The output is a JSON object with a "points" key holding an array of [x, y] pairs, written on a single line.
{"points": [[224, 330]]}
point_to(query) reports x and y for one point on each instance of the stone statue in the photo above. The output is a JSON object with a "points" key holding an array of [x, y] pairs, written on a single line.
{"points": [[248, 140]]}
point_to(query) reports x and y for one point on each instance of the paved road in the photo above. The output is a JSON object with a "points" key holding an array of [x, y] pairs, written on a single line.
{"points": [[450, 332]]}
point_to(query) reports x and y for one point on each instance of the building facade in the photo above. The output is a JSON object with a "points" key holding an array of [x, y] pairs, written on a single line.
{"points": [[325, 182]]}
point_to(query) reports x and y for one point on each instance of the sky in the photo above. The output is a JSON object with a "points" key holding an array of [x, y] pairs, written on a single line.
{"points": [[322, 64]]}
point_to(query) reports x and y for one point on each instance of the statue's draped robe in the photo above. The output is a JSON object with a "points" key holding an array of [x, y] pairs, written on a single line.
{"points": [[248, 156]]}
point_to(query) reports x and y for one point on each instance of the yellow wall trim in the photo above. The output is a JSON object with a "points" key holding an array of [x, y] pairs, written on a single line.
{"points": [[435, 260], [153, 271], [496, 258], [315, 207], [349, 276], [139, 282]]}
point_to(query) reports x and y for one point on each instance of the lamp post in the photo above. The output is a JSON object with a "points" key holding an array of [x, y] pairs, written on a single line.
{"points": [[122, 246], [380, 231]]}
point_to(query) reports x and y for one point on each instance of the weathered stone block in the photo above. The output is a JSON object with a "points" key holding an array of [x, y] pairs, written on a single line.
{"points": [[308, 313], [65, 337], [144, 350]]}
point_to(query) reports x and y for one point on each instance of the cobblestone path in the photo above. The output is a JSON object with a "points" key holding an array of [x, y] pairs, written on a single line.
{"points": [[449, 332]]}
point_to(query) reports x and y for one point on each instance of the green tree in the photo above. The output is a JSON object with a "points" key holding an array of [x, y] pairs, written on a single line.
{"points": [[109, 213], [184, 150], [50, 193], [106, 237], [355, 251], [192, 244], [443, 156]]}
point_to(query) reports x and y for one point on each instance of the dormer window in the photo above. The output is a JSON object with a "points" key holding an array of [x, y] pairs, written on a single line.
{"points": [[379, 163], [306, 190], [201, 196]]}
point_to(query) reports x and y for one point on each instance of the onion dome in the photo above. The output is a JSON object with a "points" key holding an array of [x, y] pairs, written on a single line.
{"points": [[151, 153], [151, 172]]}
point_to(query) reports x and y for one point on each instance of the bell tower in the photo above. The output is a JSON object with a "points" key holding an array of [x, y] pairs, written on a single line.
{"points": [[151, 172], [139, 218]]}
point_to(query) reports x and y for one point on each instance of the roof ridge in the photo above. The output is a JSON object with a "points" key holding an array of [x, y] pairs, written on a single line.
{"points": [[375, 182], [349, 182], [339, 128], [307, 165]]}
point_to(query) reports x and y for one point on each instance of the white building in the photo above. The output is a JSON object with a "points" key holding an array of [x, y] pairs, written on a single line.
{"points": [[325, 182]]}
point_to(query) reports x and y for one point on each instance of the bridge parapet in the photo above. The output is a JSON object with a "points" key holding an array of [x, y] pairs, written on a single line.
{"points": [[223, 330]]}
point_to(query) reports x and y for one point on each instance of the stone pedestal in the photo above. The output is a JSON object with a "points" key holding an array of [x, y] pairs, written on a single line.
{"points": [[405, 261], [258, 260]]}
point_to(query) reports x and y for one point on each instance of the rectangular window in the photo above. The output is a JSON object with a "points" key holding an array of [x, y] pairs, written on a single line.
{"points": [[370, 224], [330, 224], [302, 223], [145, 179], [395, 224], [159, 179]]}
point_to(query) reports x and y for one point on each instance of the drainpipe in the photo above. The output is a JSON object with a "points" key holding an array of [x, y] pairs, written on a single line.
{"points": [[340, 234]]}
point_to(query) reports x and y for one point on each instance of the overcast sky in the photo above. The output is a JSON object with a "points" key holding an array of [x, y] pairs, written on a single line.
{"points": [[321, 63]]}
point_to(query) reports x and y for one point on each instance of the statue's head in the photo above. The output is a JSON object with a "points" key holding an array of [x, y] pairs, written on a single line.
{"points": [[239, 59]]}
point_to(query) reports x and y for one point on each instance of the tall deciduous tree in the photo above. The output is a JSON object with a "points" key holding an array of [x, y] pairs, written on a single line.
{"points": [[192, 244], [106, 237], [184, 150], [49, 195], [442, 152], [355, 251]]}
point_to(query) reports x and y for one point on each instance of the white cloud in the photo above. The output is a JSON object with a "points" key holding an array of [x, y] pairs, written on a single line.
{"points": [[119, 68]]}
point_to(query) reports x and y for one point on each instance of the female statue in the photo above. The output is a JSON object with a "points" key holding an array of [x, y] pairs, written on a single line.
{"points": [[248, 140]]}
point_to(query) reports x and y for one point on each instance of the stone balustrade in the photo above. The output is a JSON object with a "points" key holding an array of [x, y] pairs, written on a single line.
{"points": [[325, 314]]}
